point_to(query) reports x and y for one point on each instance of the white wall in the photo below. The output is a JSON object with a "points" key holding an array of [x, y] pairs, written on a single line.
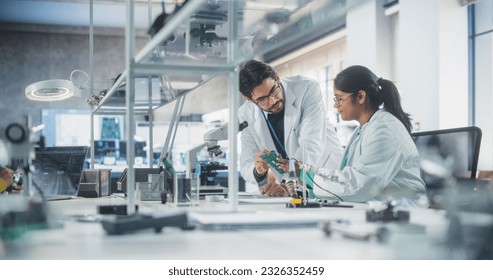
{"points": [[369, 38], [331, 55], [418, 52], [433, 62], [484, 82], [429, 61], [453, 64]]}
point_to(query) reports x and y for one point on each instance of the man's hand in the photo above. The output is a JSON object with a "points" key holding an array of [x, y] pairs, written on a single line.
{"points": [[284, 165], [261, 167], [274, 189]]}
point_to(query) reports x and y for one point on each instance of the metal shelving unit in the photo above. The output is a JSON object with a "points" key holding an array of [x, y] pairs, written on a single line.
{"points": [[206, 38]]}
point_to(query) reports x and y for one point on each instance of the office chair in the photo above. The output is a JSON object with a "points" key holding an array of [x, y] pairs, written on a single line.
{"points": [[461, 144], [457, 150]]}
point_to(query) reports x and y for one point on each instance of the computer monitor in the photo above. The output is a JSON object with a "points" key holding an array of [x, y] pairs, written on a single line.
{"points": [[139, 149], [122, 148], [104, 148], [57, 170]]}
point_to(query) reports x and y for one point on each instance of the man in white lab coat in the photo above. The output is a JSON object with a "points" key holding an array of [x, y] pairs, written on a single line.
{"points": [[285, 115]]}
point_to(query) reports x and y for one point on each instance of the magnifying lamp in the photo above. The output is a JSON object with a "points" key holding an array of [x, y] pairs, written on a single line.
{"points": [[55, 90]]}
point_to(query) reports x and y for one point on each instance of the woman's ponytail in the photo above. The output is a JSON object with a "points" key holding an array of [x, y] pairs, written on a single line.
{"points": [[392, 102]]}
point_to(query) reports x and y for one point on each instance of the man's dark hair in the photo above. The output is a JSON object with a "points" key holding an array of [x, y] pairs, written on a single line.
{"points": [[252, 74]]}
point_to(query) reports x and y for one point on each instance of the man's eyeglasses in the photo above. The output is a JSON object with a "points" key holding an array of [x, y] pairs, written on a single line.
{"points": [[273, 93], [338, 100]]}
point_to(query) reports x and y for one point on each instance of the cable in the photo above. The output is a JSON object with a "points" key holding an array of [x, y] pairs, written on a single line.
{"points": [[308, 175], [40, 191], [82, 85]]}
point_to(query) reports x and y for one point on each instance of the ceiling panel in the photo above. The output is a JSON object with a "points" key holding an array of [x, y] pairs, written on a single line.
{"points": [[74, 13]]}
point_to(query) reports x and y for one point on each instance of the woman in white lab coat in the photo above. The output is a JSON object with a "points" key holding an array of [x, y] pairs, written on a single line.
{"points": [[293, 103], [381, 161]]}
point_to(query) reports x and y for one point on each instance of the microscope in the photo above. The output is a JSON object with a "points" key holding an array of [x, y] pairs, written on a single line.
{"points": [[208, 171], [16, 139]]}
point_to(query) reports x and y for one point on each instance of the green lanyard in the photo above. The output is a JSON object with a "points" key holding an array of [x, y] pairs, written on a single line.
{"points": [[309, 182], [344, 161], [346, 152]]}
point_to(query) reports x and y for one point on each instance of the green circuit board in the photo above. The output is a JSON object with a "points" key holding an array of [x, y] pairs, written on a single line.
{"points": [[271, 159]]}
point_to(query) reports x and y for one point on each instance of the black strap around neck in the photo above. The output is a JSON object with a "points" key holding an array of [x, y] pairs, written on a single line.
{"points": [[276, 128]]}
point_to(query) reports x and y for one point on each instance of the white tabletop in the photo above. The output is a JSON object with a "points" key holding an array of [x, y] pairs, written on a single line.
{"points": [[74, 239]]}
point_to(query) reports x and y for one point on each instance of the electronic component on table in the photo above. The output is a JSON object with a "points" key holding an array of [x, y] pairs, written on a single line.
{"points": [[299, 203], [114, 209], [388, 214], [302, 203], [271, 159], [114, 225], [292, 182], [20, 214], [333, 203], [359, 232]]}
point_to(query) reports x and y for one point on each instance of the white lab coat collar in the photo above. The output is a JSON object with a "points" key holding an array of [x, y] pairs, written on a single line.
{"points": [[260, 125], [358, 132], [374, 117], [290, 112]]}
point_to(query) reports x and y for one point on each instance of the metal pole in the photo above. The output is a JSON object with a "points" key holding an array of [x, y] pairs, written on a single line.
{"points": [[172, 25], [130, 101], [150, 157], [233, 92], [91, 72]]}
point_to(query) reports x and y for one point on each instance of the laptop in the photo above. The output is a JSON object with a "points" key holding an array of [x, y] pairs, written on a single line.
{"points": [[57, 170]]}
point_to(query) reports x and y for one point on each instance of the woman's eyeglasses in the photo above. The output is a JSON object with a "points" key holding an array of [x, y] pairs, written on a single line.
{"points": [[338, 100]]}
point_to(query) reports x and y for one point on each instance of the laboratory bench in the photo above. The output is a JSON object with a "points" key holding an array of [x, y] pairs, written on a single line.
{"points": [[76, 233]]}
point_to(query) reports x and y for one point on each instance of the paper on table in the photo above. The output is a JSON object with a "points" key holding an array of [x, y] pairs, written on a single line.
{"points": [[255, 220], [265, 200]]}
